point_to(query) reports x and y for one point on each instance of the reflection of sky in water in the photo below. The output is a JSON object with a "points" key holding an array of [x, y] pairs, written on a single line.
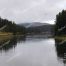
{"points": [[32, 52]]}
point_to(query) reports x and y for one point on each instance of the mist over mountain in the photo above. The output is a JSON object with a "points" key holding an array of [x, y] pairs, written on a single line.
{"points": [[38, 28], [34, 24]]}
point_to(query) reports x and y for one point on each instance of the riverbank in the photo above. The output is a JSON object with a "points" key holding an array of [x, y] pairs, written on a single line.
{"points": [[4, 36], [60, 37], [5, 33]]}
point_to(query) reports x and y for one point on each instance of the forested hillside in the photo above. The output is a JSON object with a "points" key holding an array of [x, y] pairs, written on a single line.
{"points": [[10, 26], [60, 27], [38, 28]]}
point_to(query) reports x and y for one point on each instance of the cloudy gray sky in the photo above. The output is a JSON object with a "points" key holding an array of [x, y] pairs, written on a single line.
{"points": [[31, 10]]}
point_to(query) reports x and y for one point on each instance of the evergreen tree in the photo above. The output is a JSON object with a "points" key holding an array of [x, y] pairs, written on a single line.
{"points": [[60, 23], [12, 27]]}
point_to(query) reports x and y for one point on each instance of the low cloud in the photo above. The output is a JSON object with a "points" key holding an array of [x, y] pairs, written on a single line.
{"points": [[31, 10]]}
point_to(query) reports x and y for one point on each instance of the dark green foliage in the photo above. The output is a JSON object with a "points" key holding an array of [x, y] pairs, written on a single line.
{"points": [[60, 22], [11, 27], [43, 29]]}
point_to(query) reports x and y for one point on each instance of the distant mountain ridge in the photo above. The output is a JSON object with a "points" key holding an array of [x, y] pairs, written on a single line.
{"points": [[35, 24], [38, 28]]}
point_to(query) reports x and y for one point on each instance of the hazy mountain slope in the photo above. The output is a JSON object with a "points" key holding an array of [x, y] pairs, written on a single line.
{"points": [[35, 24], [38, 28]]}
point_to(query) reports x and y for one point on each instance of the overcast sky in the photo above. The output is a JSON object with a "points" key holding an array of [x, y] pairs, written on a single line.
{"points": [[31, 10]]}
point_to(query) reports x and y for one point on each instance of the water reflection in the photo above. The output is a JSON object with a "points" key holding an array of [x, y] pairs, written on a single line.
{"points": [[8, 42], [29, 51], [61, 50], [11, 43]]}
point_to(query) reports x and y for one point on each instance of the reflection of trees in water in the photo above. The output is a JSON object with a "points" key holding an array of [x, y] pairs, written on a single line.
{"points": [[21, 39], [61, 50], [12, 43]]}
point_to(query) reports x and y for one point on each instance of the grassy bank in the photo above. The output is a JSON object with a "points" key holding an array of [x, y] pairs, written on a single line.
{"points": [[5, 37], [5, 33], [60, 37]]}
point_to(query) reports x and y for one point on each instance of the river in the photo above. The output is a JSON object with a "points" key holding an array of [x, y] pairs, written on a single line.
{"points": [[31, 51]]}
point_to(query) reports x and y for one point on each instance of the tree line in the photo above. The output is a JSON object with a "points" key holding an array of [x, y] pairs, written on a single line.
{"points": [[12, 27], [60, 23]]}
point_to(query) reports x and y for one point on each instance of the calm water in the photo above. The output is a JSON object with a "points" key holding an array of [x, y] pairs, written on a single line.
{"points": [[31, 51]]}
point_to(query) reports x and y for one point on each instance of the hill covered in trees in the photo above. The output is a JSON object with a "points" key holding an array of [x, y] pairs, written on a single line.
{"points": [[60, 26], [38, 28], [26, 28], [9, 26]]}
